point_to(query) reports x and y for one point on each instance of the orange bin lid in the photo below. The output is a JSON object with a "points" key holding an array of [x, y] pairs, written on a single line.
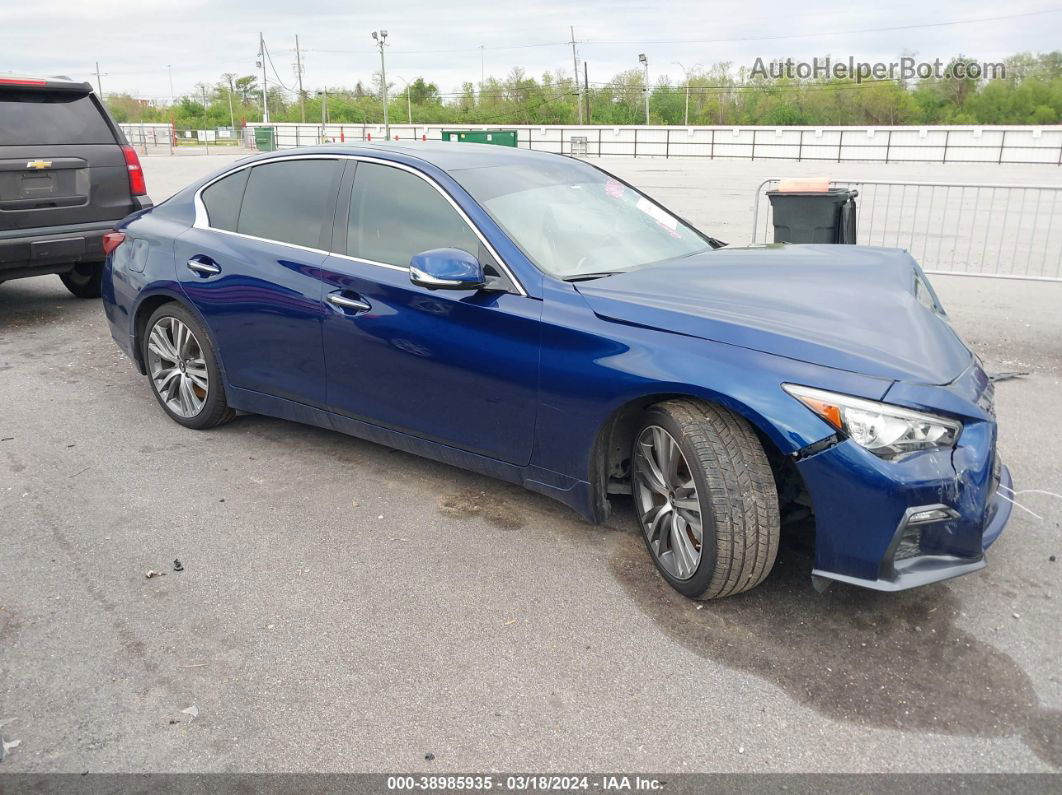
{"points": [[806, 185]]}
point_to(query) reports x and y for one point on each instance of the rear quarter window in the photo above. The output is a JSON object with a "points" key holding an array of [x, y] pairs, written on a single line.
{"points": [[45, 118], [222, 200]]}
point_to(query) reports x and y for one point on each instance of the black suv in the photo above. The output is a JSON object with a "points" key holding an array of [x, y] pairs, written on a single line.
{"points": [[67, 175]]}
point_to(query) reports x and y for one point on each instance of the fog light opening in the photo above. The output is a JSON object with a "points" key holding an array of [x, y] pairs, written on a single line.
{"points": [[928, 515], [910, 545]]}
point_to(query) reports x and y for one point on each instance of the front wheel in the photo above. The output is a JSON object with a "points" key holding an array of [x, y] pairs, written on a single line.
{"points": [[183, 369], [85, 280], [705, 497]]}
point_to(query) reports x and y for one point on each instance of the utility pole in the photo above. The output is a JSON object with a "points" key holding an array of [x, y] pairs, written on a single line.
{"points": [[99, 85], [169, 69], [586, 91], [324, 107], [575, 74], [298, 67], [482, 61], [232, 90], [380, 38], [265, 80], [645, 63]]}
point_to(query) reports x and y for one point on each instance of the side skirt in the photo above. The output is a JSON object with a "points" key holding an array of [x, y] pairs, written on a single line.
{"points": [[563, 488]]}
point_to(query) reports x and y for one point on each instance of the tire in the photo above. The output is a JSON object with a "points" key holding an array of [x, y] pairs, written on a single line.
{"points": [[85, 280], [183, 370], [735, 497]]}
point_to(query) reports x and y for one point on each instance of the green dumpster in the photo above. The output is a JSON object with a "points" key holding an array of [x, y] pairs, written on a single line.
{"points": [[265, 139], [496, 137]]}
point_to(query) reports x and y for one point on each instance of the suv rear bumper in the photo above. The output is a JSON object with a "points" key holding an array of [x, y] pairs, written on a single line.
{"points": [[53, 249]]}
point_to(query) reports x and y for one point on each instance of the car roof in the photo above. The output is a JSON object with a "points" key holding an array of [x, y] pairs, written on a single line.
{"points": [[448, 156]]}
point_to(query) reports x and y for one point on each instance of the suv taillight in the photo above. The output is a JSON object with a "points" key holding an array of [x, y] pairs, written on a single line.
{"points": [[137, 186], [111, 241]]}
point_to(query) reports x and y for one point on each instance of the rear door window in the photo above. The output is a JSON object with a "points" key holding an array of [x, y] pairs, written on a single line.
{"points": [[222, 200], [29, 118], [292, 201], [395, 214]]}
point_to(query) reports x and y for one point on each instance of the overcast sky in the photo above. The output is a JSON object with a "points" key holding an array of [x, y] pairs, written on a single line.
{"points": [[134, 40]]}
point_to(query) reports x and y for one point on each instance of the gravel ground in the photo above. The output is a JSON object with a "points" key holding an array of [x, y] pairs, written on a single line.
{"points": [[344, 607]]}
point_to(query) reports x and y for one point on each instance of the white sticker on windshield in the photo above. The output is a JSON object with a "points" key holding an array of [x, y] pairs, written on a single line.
{"points": [[657, 214]]}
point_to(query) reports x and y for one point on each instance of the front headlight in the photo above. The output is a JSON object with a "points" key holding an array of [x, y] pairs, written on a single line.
{"points": [[885, 430]]}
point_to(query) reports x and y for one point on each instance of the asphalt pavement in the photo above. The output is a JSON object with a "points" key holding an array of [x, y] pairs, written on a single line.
{"points": [[346, 607]]}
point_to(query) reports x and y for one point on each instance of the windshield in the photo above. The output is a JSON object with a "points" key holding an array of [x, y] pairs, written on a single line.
{"points": [[571, 218]]}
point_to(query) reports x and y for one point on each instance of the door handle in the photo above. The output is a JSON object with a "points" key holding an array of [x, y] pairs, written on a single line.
{"points": [[203, 266], [343, 302]]}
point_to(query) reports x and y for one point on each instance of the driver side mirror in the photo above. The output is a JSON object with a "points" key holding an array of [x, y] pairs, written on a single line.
{"points": [[447, 269]]}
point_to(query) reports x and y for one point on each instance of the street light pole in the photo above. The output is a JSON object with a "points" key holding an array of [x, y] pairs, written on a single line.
{"points": [[380, 38], [409, 102], [645, 62], [575, 74], [687, 72], [324, 108]]}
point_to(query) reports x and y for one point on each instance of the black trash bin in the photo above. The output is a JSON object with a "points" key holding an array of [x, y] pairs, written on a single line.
{"points": [[819, 217]]}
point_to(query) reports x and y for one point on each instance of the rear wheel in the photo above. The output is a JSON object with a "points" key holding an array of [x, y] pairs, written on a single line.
{"points": [[183, 369], [85, 280], [705, 497]]}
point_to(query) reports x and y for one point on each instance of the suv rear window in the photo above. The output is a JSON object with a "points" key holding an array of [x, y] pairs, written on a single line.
{"points": [[29, 118]]}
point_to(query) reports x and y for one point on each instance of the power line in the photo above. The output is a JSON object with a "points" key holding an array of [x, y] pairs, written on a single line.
{"points": [[831, 33], [477, 48], [265, 49], [734, 39]]}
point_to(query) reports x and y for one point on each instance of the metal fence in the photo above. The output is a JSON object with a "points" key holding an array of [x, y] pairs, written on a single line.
{"points": [[1014, 144], [164, 139], [1005, 231]]}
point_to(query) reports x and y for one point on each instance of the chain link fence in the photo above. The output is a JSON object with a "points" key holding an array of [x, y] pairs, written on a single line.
{"points": [[1005, 231]]}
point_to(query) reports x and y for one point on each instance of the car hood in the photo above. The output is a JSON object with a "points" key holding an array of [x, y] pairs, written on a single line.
{"points": [[848, 307]]}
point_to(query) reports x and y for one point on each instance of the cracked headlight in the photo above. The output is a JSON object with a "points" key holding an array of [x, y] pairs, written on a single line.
{"points": [[883, 429]]}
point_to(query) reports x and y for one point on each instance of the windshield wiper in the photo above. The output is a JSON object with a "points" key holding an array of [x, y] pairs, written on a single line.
{"points": [[582, 277]]}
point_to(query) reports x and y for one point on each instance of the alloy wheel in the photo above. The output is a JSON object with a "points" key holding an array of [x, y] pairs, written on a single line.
{"points": [[178, 367], [665, 497]]}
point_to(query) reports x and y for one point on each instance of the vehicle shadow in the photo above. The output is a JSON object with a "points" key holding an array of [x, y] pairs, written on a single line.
{"points": [[893, 661], [880, 660], [28, 303]]}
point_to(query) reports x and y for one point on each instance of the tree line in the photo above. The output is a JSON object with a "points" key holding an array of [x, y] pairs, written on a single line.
{"points": [[1030, 93]]}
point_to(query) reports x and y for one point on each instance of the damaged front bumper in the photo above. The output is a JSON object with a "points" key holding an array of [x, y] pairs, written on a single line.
{"points": [[891, 525]]}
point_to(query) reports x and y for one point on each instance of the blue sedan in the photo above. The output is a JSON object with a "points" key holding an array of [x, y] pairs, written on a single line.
{"points": [[531, 317]]}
